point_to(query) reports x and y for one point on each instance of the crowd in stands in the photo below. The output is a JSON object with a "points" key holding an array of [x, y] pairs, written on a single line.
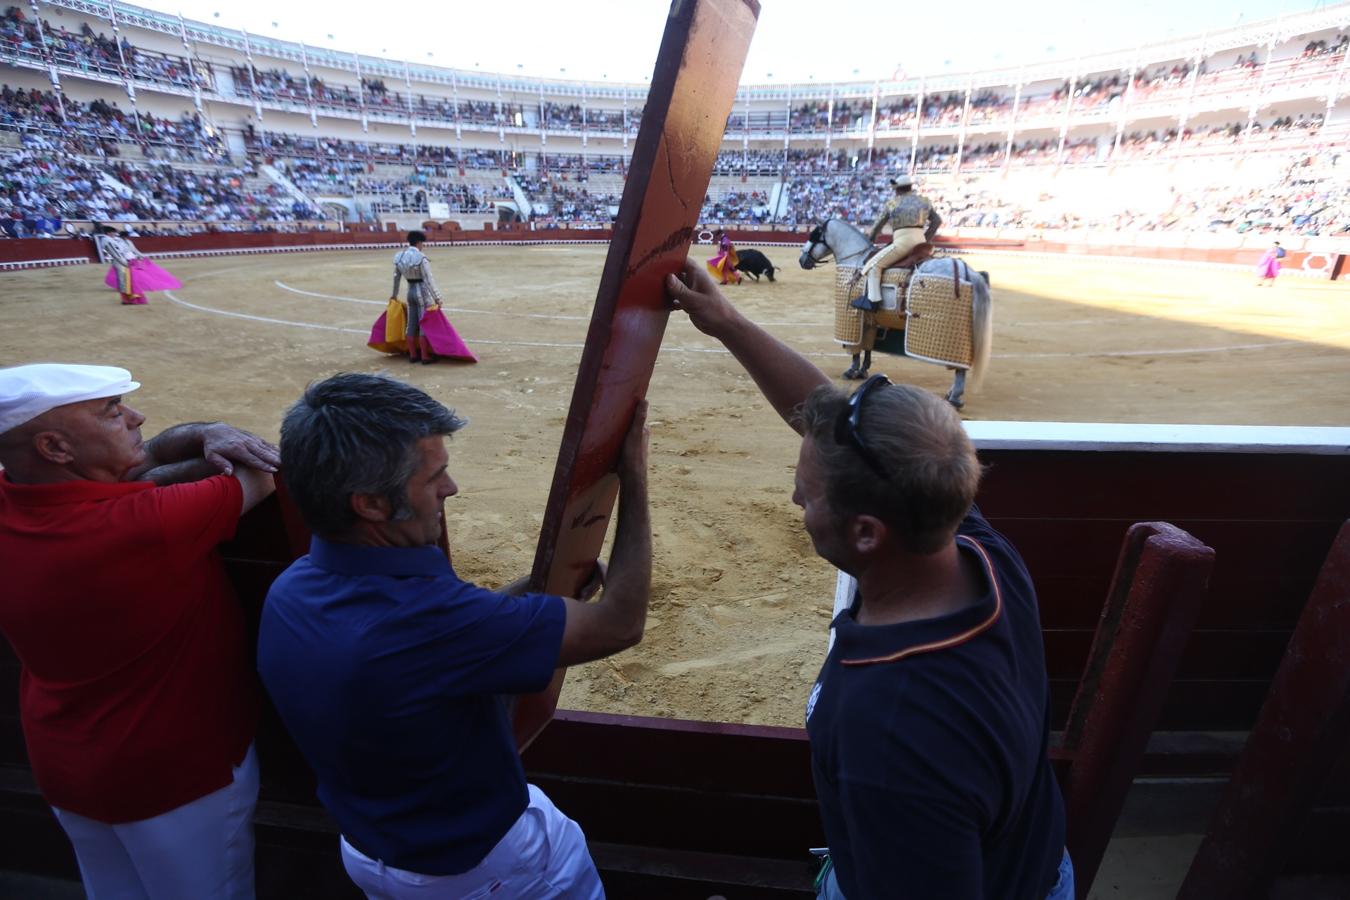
{"points": [[1313, 198], [98, 127], [336, 156], [573, 117], [746, 207], [42, 185], [91, 142], [95, 51]]}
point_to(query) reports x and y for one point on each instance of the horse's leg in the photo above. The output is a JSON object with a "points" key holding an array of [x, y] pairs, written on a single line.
{"points": [[851, 373], [958, 389], [867, 363]]}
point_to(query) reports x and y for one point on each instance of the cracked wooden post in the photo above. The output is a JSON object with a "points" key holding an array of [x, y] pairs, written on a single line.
{"points": [[692, 91]]}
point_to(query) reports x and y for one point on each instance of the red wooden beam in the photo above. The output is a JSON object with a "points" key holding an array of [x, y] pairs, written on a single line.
{"points": [[1153, 603], [693, 88], [1304, 728]]}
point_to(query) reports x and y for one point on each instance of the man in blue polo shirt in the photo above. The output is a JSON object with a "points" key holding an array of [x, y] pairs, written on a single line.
{"points": [[392, 674], [929, 722]]}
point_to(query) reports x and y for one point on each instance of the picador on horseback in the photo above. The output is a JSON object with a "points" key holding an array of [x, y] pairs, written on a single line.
{"points": [[932, 309], [913, 221]]}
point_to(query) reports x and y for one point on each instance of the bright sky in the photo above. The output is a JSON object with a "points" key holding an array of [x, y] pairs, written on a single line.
{"points": [[796, 40]]}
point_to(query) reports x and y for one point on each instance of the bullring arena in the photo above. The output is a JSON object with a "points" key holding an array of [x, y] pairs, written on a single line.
{"points": [[1189, 576], [740, 604]]}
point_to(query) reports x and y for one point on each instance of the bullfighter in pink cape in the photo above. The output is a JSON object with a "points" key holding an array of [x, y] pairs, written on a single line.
{"points": [[131, 274], [1269, 266], [418, 326]]}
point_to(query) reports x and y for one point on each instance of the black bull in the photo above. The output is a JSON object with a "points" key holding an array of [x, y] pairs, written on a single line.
{"points": [[754, 263]]}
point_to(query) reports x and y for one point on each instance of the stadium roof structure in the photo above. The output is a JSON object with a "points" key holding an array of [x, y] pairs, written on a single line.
{"points": [[1191, 47]]}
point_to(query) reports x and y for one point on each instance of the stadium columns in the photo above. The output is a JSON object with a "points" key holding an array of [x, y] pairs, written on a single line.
{"points": [[829, 119], [1123, 113], [965, 117], [914, 139], [692, 92], [192, 72], [51, 61], [126, 70], [745, 131], [1012, 122], [309, 86], [872, 122], [1194, 77], [252, 75], [412, 107], [501, 119], [1068, 112], [1257, 93], [459, 122], [361, 92], [1333, 96]]}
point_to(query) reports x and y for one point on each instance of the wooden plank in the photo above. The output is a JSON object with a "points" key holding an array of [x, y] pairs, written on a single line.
{"points": [[692, 92], [1154, 601], [1300, 737], [1172, 486], [693, 88], [1219, 654]]}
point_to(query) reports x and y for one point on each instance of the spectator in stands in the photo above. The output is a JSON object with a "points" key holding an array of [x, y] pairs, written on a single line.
{"points": [[394, 676], [137, 705], [930, 719]]}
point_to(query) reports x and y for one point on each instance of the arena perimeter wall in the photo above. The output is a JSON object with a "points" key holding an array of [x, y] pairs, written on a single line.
{"points": [[39, 253]]}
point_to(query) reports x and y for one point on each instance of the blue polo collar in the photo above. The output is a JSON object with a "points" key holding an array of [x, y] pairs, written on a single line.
{"points": [[398, 562], [861, 645]]}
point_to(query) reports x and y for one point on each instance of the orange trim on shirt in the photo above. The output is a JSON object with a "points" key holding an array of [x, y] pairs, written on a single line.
{"points": [[955, 640]]}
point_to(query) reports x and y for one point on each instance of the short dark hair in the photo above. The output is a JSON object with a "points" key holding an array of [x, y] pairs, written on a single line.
{"points": [[919, 440], [355, 434], [416, 237]]}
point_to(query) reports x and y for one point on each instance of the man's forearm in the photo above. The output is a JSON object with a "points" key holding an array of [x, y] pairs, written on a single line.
{"points": [[784, 376], [628, 585], [177, 444], [188, 470]]}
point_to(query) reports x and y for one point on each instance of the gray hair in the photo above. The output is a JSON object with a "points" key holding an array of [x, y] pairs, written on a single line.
{"points": [[918, 439], [356, 434]]}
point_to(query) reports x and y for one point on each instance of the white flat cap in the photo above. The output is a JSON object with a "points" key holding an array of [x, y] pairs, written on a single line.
{"points": [[27, 392]]}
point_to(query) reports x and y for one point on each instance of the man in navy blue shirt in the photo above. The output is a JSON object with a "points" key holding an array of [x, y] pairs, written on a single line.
{"points": [[929, 722], [391, 673]]}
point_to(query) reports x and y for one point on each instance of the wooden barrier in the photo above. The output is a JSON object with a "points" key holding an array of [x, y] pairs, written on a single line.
{"points": [[658, 796], [35, 252]]}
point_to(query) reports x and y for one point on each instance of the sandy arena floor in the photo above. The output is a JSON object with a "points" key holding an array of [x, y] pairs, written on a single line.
{"points": [[740, 604]]}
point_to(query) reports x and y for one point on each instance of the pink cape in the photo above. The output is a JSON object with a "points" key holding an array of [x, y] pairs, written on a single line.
{"points": [[1269, 266], [145, 276], [445, 341]]}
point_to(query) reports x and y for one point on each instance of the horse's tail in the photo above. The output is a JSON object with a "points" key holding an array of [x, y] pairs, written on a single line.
{"points": [[981, 329]]}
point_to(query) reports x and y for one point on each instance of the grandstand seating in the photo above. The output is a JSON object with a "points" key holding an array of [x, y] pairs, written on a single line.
{"points": [[385, 140]]}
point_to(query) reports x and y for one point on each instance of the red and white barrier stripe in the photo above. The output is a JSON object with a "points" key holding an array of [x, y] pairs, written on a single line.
{"points": [[42, 263]]}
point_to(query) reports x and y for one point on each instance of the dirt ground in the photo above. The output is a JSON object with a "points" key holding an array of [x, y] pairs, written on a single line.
{"points": [[740, 605]]}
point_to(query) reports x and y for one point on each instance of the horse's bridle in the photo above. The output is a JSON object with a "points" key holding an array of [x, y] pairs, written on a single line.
{"points": [[816, 236]]}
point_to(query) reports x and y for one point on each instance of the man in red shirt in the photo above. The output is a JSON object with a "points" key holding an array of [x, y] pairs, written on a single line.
{"points": [[137, 705]]}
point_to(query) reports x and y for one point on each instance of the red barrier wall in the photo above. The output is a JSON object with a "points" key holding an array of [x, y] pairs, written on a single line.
{"points": [[37, 249]]}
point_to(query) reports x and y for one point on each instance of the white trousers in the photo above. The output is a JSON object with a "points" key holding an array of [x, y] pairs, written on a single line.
{"points": [[202, 849], [544, 855], [902, 241]]}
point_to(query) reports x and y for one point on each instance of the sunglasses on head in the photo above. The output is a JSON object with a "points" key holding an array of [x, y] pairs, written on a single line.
{"points": [[846, 426]]}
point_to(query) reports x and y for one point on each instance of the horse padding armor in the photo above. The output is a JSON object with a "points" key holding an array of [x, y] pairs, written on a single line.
{"points": [[849, 322], [939, 329]]}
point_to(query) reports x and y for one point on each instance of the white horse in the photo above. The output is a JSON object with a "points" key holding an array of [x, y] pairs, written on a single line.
{"points": [[850, 247]]}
